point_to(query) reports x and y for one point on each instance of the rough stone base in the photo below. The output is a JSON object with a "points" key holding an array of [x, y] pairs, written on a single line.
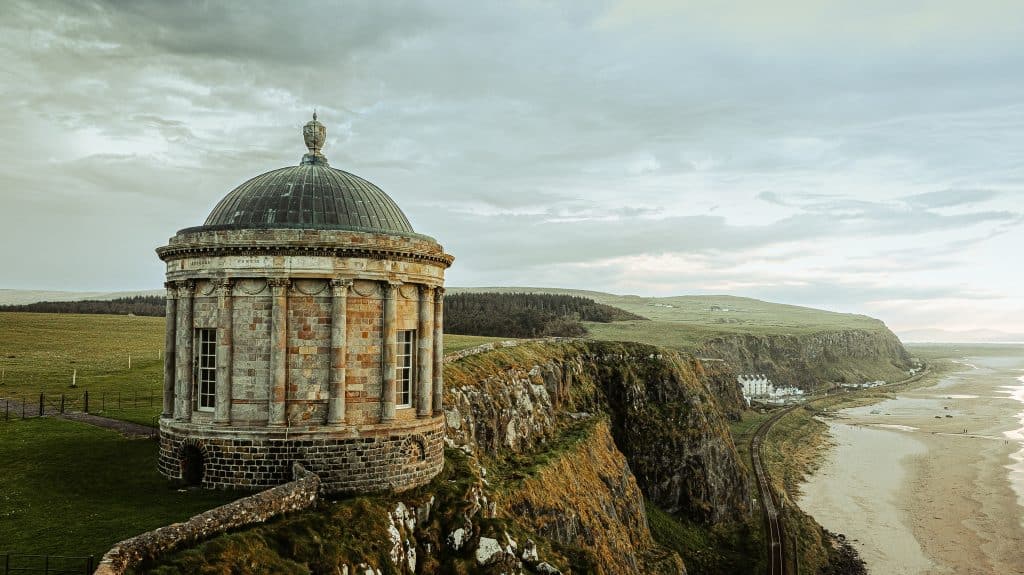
{"points": [[347, 461]]}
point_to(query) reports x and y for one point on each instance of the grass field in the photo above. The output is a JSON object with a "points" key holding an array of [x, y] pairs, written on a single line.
{"points": [[683, 322], [40, 352], [74, 489]]}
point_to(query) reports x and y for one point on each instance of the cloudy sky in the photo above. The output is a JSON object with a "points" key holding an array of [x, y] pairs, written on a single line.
{"points": [[863, 156]]}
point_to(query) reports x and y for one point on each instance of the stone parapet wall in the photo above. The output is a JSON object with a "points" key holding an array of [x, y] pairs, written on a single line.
{"points": [[293, 496], [395, 457]]}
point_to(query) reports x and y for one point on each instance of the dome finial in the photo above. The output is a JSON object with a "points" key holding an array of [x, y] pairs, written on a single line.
{"points": [[315, 135]]}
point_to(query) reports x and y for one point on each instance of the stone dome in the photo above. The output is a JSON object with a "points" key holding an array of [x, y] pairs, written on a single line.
{"points": [[312, 195]]}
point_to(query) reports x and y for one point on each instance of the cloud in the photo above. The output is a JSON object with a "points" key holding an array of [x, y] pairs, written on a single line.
{"points": [[842, 154]]}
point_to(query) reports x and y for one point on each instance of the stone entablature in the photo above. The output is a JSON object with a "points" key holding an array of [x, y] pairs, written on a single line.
{"points": [[201, 242]]}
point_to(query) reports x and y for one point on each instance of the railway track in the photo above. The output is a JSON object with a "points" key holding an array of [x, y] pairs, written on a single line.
{"points": [[770, 505], [774, 528]]}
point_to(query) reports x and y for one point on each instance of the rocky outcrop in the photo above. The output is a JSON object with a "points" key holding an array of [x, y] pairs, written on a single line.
{"points": [[664, 419], [588, 498], [846, 356]]}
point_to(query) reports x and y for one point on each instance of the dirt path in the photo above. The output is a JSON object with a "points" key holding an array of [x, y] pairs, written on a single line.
{"points": [[126, 428]]}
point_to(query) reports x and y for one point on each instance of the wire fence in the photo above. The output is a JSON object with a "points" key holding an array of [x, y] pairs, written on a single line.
{"points": [[46, 564], [25, 406]]}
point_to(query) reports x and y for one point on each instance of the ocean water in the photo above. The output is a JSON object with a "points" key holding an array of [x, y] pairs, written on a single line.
{"points": [[1016, 468]]}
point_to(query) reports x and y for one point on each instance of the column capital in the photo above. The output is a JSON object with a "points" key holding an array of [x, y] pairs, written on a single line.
{"points": [[186, 288], [439, 294], [389, 287], [278, 284], [225, 285], [426, 291], [340, 286], [172, 289]]}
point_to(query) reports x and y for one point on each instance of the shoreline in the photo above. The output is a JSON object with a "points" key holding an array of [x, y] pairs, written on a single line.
{"points": [[926, 481]]}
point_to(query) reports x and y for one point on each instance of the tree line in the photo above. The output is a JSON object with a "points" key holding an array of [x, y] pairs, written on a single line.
{"points": [[525, 314], [150, 305], [491, 314]]}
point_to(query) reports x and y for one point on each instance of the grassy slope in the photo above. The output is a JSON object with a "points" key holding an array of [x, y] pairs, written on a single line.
{"points": [[684, 321], [73, 489]]}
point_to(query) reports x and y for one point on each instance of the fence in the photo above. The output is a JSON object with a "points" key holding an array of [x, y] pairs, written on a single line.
{"points": [[46, 564], [26, 406]]}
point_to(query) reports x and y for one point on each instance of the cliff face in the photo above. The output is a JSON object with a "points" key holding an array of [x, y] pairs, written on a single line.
{"points": [[664, 418], [588, 498], [848, 356]]}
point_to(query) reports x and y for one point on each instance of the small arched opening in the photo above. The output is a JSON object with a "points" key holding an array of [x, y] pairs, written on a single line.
{"points": [[193, 465]]}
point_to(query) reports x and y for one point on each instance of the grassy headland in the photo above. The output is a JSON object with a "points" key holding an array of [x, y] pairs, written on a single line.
{"points": [[683, 322]]}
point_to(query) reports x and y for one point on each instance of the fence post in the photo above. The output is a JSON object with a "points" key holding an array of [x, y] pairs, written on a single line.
{"points": [[89, 563], [7, 563], [41, 400], [7, 409], [46, 565], [119, 401], [62, 403], [85, 400], [23, 407], [103, 401]]}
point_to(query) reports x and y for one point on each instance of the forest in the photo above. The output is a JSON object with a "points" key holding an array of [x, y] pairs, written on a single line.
{"points": [[525, 314], [150, 305]]}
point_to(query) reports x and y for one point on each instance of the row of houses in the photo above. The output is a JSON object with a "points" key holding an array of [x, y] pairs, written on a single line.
{"points": [[759, 387]]}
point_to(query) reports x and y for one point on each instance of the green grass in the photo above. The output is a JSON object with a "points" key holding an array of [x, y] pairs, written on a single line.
{"points": [[73, 489], [683, 322], [454, 342], [39, 353], [722, 549]]}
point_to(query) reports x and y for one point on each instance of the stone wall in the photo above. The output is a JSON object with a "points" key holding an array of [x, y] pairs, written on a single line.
{"points": [[309, 346], [250, 376], [363, 374], [293, 496], [394, 457]]}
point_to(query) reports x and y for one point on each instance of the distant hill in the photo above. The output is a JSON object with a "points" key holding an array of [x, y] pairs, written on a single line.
{"points": [[965, 336], [148, 305], [525, 315], [684, 321], [23, 296]]}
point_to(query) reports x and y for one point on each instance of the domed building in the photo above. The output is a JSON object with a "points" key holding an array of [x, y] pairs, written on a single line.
{"points": [[304, 324]]}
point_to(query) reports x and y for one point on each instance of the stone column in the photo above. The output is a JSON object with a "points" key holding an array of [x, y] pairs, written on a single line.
{"points": [[425, 353], [389, 334], [278, 351], [438, 351], [339, 332], [170, 329], [183, 352], [225, 340]]}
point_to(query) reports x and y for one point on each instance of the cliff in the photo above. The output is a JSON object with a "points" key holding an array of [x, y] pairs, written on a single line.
{"points": [[844, 356], [665, 420], [553, 450]]}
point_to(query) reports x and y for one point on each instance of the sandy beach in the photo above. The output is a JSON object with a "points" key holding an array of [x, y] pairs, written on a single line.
{"points": [[931, 481]]}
